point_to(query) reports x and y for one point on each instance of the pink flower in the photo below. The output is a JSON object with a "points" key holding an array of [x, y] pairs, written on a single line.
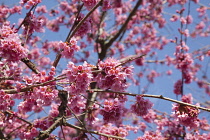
{"points": [[33, 23], [178, 87], [189, 19], [113, 77], [5, 101], [186, 115], [10, 44], [112, 130], [89, 3], [106, 5], [85, 27], [29, 3], [174, 18], [69, 48], [79, 77], [141, 106], [112, 111]]}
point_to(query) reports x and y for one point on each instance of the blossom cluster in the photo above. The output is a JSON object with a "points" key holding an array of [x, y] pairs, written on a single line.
{"points": [[39, 96], [184, 62], [186, 115], [5, 101], [85, 27], [45, 123], [10, 44], [32, 23], [113, 76], [112, 130], [11, 124], [5, 10], [113, 111], [29, 3], [29, 133], [149, 135], [79, 77], [77, 104], [68, 48], [89, 3], [141, 106], [10, 70]]}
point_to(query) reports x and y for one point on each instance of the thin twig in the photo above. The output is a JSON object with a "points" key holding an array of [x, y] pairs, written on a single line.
{"points": [[13, 91], [10, 113], [26, 17], [128, 59], [125, 24], [83, 20]]}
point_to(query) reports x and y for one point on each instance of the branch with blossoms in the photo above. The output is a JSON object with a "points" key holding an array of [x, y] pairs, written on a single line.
{"points": [[93, 132], [58, 56], [106, 44], [87, 96], [152, 96], [61, 121]]}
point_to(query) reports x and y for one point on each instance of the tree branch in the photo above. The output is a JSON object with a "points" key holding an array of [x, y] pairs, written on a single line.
{"points": [[152, 96], [58, 56], [107, 45], [45, 134], [93, 132]]}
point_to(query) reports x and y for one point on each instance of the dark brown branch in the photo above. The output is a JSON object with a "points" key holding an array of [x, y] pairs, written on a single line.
{"points": [[6, 78], [106, 45], [30, 65], [2, 135]]}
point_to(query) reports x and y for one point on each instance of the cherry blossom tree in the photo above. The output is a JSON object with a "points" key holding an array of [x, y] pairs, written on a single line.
{"points": [[104, 69]]}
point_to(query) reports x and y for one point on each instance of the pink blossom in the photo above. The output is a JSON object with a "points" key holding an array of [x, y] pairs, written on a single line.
{"points": [[186, 115], [106, 5], [41, 9], [32, 23], [29, 3], [112, 130], [69, 48], [201, 10], [183, 20], [189, 19], [79, 77], [10, 44], [89, 3], [178, 87], [141, 106], [174, 18], [112, 111], [5, 101], [149, 135], [113, 77], [85, 27]]}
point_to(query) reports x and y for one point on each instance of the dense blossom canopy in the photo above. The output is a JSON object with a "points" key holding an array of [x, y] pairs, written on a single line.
{"points": [[104, 69]]}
